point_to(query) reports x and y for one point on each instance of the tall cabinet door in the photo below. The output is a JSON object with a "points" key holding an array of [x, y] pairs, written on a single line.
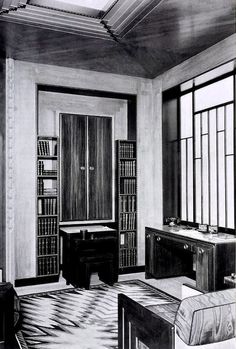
{"points": [[73, 167], [99, 168]]}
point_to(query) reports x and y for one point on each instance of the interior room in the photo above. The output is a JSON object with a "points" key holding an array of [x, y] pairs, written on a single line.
{"points": [[117, 174]]}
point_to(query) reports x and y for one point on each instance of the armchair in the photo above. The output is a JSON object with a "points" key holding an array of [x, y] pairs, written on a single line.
{"points": [[202, 321]]}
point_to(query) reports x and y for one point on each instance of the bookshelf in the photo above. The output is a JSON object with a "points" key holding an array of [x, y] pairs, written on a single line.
{"points": [[47, 206], [127, 202]]}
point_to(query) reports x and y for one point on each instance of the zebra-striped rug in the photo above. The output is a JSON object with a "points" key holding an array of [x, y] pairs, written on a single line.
{"points": [[78, 318]]}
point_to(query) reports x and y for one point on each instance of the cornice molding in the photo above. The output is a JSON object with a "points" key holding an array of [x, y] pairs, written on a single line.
{"points": [[114, 24]]}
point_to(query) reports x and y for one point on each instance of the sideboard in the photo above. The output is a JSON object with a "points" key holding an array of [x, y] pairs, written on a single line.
{"points": [[177, 251]]}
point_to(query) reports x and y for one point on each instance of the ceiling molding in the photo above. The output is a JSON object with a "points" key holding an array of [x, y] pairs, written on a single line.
{"points": [[17, 12], [11, 5], [125, 14], [115, 23]]}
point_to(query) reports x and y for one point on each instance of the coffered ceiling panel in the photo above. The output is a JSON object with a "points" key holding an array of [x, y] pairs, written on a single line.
{"points": [[133, 37]]}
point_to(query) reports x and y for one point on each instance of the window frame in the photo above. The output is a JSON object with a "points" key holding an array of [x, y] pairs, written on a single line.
{"points": [[192, 90]]}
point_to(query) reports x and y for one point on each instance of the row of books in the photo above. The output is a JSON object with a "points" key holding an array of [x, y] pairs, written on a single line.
{"points": [[128, 186], [128, 168], [47, 246], [127, 150], [127, 221], [47, 206], [47, 148], [128, 239], [128, 257], [127, 203], [47, 226], [47, 265], [45, 191], [45, 172]]}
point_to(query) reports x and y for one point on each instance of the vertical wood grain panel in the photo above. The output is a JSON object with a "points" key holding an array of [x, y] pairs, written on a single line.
{"points": [[100, 167], [73, 167]]}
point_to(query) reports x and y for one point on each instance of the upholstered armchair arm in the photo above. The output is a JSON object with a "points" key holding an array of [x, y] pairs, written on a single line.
{"points": [[207, 318]]}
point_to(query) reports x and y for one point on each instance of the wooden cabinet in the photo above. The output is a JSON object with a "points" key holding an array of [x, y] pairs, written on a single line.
{"points": [[204, 266], [97, 240], [86, 168], [6, 315], [169, 254]]}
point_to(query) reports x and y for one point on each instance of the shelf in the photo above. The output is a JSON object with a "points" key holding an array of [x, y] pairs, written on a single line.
{"points": [[47, 236], [50, 157], [46, 215], [47, 255], [127, 194], [127, 248], [124, 159], [47, 196], [123, 212], [128, 177], [47, 176], [130, 230]]}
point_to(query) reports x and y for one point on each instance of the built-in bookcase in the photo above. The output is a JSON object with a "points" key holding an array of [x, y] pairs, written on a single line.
{"points": [[47, 206], [127, 202]]}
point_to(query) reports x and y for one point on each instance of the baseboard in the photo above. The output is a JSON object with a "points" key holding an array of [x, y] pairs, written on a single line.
{"points": [[130, 270], [36, 280]]}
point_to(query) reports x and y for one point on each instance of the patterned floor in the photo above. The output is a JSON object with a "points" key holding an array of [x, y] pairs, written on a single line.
{"points": [[78, 318]]}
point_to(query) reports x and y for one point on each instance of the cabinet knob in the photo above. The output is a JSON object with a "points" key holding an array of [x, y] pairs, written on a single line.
{"points": [[148, 236], [91, 168], [158, 238], [185, 246], [82, 168], [201, 251]]}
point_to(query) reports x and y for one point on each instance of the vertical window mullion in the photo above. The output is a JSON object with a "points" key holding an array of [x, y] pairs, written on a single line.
{"points": [[186, 148], [194, 161], [217, 169], [226, 201], [201, 169], [209, 169]]}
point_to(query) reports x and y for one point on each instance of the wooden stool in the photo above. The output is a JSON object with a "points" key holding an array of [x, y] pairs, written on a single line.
{"points": [[102, 263]]}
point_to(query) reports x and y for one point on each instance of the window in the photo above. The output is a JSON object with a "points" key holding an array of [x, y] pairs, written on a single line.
{"points": [[207, 149]]}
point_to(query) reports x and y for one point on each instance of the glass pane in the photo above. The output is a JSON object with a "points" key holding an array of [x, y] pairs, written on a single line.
{"points": [[204, 122], [230, 191], [213, 167], [229, 129], [214, 73], [198, 186], [186, 115], [205, 180], [214, 94], [197, 136], [183, 181], [220, 119], [186, 85], [190, 180], [221, 179]]}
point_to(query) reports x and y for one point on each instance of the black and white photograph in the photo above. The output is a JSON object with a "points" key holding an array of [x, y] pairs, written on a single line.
{"points": [[117, 174]]}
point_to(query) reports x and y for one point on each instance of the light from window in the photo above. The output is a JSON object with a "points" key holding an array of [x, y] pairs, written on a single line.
{"points": [[207, 154]]}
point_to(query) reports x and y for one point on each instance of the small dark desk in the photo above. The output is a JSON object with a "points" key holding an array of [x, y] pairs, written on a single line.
{"points": [[99, 241]]}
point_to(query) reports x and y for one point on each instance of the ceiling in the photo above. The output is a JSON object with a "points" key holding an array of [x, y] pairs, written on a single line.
{"points": [[134, 37]]}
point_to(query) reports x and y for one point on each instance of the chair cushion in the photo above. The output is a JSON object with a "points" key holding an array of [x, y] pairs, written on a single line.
{"points": [[207, 318]]}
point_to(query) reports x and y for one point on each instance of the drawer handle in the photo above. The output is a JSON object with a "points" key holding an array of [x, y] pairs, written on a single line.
{"points": [[185, 246], [158, 238]]}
